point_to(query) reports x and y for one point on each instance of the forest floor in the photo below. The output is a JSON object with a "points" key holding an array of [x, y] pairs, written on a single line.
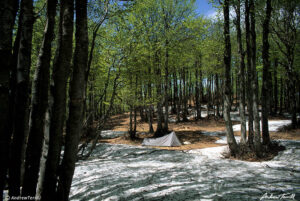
{"points": [[199, 134]]}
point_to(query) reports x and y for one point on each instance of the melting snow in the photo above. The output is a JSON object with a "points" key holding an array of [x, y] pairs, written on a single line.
{"points": [[273, 125], [122, 172], [108, 134]]}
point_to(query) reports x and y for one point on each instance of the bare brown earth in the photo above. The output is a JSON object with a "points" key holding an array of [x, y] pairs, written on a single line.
{"points": [[186, 132]]}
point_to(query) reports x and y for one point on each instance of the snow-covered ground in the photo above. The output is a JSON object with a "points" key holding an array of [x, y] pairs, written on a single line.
{"points": [[274, 125], [109, 134], [122, 172]]}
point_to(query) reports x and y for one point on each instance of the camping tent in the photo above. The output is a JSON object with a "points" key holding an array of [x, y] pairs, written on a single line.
{"points": [[169, 140]]}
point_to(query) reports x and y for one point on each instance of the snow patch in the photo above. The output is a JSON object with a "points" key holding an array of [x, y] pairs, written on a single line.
{"points": [[109, 134], [223, 140], [273, 125], [122, 172]]}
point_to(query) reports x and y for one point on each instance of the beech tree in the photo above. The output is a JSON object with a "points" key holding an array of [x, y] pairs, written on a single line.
{"points": [[39, 105], [266, 63], [8, 11], [227, 61], [61, 69], [77, 87]]}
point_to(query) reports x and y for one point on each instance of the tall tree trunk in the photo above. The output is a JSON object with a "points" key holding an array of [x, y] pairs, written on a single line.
{"points": [[39, 106], [197, 93], [292, 95], [16, 160], [266, 67], [22, 95], [257, 138], [249, 75], [166, 95], [150, 107], [281, 95], [135, 106], [242, 83], [184, 97], [179, 105], [60, 76], [159, 129], [270, 89], [8, 11], [77, 88], [227, 61], [217, 95], [275, 86], [175, 93], [131, 124]]}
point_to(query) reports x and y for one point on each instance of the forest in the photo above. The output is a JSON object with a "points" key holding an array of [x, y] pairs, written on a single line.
{"points": [[84, 82]]}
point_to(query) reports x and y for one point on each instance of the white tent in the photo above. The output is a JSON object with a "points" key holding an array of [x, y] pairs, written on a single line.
{"points": [[169, 140]]}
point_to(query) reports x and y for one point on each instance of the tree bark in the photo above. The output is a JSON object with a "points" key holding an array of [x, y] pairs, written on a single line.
{"points": [[227, 61], [249, 75], [184, 96], [242, 82], [257, 139], [197, 93], [266, 67], [39, 106], [8, 11], [275, 87], [166, 95], [61, 68], [77, 88], [159, 129], [150, 107], [22, 95], [16, 160]]}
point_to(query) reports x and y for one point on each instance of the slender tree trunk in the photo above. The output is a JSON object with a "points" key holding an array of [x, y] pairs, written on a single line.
{"points": [[77, 87], [15, 162], [22, 95], [266, 67], [242, 82], [166, 96], [270, 89], [135, 122], [217, 95], [281, 95], [257, 139], [131, 124], [200, 89], [175, 93], [159, 129], [135, 106], [179, 105], [197, 94], [8, 11], [150, 107], [227, 61], [209, 97], [249, 76], [292, 95], [39, 106], [184, 94], [275, 87], [60, 75]]}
